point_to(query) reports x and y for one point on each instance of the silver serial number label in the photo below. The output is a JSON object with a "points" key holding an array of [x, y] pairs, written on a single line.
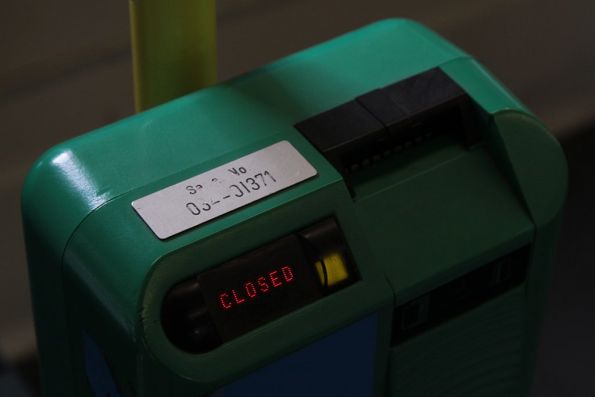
{"points": [[223, 189]]}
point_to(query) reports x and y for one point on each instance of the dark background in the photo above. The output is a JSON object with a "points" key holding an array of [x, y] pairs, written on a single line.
{"points": [[65, 69]]}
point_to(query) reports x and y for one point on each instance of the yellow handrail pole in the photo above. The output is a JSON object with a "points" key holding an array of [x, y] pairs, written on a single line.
{"points": [[174, 48]]}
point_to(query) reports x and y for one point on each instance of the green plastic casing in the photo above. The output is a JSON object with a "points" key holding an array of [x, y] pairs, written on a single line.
{"points": [[417, 222]]}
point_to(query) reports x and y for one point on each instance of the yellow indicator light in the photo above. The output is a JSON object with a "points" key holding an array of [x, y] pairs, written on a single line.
{"points": [[332, 270]]}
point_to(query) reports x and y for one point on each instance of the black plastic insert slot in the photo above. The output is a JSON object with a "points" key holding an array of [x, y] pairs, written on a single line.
{"points": [[460, 295], [385, 121]]}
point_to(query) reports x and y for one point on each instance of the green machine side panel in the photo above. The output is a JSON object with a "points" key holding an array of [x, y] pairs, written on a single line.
{"points": [[465, 357]]}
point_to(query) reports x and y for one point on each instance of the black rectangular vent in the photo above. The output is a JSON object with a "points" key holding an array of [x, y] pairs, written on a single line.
{"points": [[460, 295], [387, 120]]}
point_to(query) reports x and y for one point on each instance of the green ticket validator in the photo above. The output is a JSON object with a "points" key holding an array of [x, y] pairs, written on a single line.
{"points": [[378, 207]]}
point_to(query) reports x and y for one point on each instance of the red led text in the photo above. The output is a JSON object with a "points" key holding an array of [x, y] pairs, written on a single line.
{"points": [[259, 286]]}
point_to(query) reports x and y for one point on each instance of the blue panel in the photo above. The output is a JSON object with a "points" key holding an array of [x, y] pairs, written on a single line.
{"points": [[341, 364], [98, 372], [12, 386]]}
